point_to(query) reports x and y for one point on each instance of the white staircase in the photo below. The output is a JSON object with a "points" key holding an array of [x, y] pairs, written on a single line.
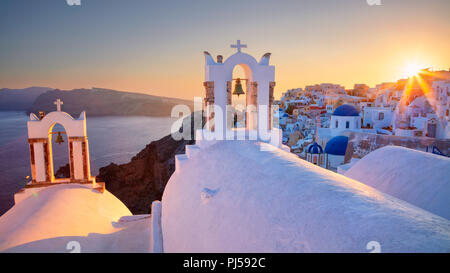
{"points": [[202, 143], [192, 150]]}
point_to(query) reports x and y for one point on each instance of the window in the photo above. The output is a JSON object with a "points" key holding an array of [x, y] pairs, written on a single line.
{"points": [[380, 116], [347, 124], [337, 123]]}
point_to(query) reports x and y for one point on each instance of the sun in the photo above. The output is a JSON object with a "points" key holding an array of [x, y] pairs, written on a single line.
{"points": [[412, 69]]}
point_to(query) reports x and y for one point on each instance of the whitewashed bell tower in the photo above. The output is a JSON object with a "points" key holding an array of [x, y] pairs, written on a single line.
{"points": [[40, 141], [260, 80]]}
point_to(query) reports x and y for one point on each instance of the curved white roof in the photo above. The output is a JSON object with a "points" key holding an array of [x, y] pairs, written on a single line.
{"points": [[417, 177], [59, 214], [242, 196]]}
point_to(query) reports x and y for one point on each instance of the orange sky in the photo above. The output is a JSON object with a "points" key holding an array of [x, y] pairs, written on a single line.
{"points": [[157, 48]]}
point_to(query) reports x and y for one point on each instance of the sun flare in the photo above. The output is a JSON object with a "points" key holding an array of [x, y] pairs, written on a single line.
{"points": [[412, 69]]}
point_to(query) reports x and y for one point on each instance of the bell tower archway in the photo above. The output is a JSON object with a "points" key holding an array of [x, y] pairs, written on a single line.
{"points": [[218, 90], [40, 141], [242, 76]]}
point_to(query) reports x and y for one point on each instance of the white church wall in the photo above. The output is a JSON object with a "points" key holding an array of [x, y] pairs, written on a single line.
{"points": [[39, 161], [77, 160], [88, 159], [405, 132], [335, 160], [23, 195], [420, 123], [353, 123], [40, 128], [372, 117], [156, 240]]}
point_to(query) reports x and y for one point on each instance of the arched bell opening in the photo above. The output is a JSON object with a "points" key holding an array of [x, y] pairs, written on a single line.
{"points": [[239, 92], [56, 139], [58, 153], [240, 97]]}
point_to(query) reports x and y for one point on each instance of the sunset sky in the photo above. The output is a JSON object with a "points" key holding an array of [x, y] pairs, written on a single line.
{"points": [[156, 47]]}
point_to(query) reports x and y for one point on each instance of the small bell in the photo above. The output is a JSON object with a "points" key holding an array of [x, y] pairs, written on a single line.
{"points": [[59, 138], [238, 88]]}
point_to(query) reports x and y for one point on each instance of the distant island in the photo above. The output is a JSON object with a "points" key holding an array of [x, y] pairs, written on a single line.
{"points": [[95, 101], [20, 99]]}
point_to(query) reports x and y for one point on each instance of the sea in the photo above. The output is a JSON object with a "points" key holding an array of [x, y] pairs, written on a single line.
{"points": [[111, 139]]}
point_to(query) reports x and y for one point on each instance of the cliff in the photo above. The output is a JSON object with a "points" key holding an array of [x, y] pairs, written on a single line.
{"points": [[144, 178], [105, 102]]}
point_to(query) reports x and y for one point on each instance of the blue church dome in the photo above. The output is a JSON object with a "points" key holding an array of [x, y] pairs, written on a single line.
{"points": [[346, 110], [337, 145], [315, 149]]}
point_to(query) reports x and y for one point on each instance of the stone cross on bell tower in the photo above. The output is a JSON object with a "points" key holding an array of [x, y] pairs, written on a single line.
{"points": [[238, 45], [58, 104]]}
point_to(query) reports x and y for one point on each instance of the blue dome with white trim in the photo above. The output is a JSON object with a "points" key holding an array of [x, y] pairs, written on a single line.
{"points": [[337, 145], [315, 149], [346, 110]]}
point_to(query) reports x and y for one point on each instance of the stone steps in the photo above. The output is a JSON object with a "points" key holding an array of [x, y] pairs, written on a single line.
{"points": [[200, 143], [192, 150], [180, 160]]}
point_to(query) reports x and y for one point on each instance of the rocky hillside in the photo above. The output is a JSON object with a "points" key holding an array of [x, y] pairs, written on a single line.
{"points": [[143, 179], [105, 102]]}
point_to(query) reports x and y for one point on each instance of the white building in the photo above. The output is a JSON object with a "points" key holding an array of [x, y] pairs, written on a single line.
{"points": [[377, 117], [344, 118], [425, 116], [442, 93]]}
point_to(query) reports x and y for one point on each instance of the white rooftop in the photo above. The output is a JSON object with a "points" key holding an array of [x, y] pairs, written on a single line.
{"points": [[244, 196], [57, 216], [419, 178]]}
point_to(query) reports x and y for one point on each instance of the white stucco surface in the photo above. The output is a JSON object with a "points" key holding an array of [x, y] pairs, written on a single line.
{"points": [[353, 122], [419, 178], [239, 196], [59, 214], [40, 128]]}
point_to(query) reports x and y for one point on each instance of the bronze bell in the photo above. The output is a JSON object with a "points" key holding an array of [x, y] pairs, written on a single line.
{"points": [[238, 88], [59, 138], [41, 115]]}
